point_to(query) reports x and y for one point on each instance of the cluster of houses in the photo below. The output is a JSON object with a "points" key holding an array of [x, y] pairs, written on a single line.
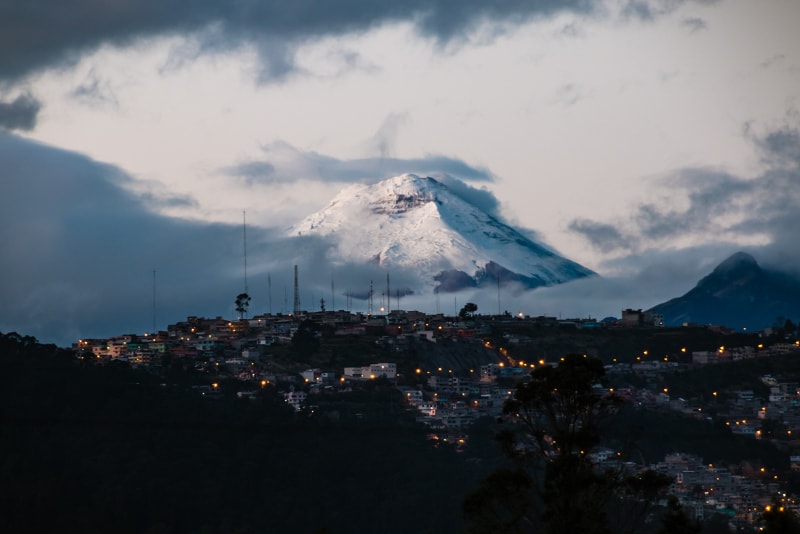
{"points": [[704, 489], [453, 403], [250, 338], [449, 402]]}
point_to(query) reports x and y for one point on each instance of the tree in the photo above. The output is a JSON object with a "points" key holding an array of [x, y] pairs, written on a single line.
{"points": [[675, 520], [468, 310], [778, 519], [305, 341], [242, 303], [555, 422]]}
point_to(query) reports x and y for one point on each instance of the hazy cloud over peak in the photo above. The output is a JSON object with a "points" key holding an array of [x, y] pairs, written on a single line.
{"points": [[284, 163]]}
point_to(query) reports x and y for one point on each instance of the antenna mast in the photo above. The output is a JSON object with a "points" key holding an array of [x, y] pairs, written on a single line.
{"points": [[269, 292], [369, 300], [244, 240], [154, 301], [296, 293], [498, 293]]}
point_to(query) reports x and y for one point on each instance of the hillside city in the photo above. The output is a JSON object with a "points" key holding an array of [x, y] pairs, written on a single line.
{"points": [[455, 371]]}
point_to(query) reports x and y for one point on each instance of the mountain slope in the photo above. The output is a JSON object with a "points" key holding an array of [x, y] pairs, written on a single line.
{"points": [[738, 294], [414, 223]]}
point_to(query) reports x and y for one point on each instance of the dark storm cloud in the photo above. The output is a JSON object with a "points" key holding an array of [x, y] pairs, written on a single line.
{"points": [[717, 203], [37, 33], [20, 113], [79, 249]]}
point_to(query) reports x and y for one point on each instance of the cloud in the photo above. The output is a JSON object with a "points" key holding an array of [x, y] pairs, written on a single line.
{"points": [[773, 60], [40, 33], [20, 113], [570, 94], [601, 235], [79, 249], [711, 206], [94, 92], [694, 24], [780, 146], [648, 10], [385, 138], [284, 163]]}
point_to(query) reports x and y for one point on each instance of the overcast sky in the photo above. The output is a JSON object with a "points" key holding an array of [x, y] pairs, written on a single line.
{"points": [[645, 139]]}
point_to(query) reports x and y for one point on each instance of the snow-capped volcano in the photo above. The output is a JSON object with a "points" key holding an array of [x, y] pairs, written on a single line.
{"points": [[419, 224]]}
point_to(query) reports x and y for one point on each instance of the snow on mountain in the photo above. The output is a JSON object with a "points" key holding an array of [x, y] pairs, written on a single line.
{"points": [[415, 223]]}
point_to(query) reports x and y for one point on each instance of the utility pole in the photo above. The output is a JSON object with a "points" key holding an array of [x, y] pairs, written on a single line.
{"points": [[154, 301], [244, 241], [296, 293]]}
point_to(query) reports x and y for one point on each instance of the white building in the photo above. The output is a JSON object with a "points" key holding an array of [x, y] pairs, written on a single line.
{"points": [[296, 399], [372, 371]]}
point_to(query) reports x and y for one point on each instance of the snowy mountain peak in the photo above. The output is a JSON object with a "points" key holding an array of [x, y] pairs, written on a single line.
{"points": [[418, 224]]}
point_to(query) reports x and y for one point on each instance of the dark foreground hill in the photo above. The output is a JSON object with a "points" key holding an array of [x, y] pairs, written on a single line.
{"points": [[111, 449]]}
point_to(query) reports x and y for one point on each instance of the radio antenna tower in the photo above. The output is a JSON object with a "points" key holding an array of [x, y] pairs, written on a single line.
{"points": [[269, 292], [498, 294], [244, 240], [296, 293], [369, 300], [154, 301], [388, 295]]}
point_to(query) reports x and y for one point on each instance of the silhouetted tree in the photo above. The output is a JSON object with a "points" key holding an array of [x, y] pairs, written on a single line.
{"points": [[242, 303], [556, 422], [675, 520], [468, 310], [305, 341], [778, 519]]}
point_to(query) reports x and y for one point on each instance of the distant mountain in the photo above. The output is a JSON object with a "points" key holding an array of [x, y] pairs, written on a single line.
{"points": [[419, 225], [737, 294]]}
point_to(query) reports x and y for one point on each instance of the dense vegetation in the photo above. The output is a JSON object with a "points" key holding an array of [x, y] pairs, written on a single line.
{"points": [[110, 449]]}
